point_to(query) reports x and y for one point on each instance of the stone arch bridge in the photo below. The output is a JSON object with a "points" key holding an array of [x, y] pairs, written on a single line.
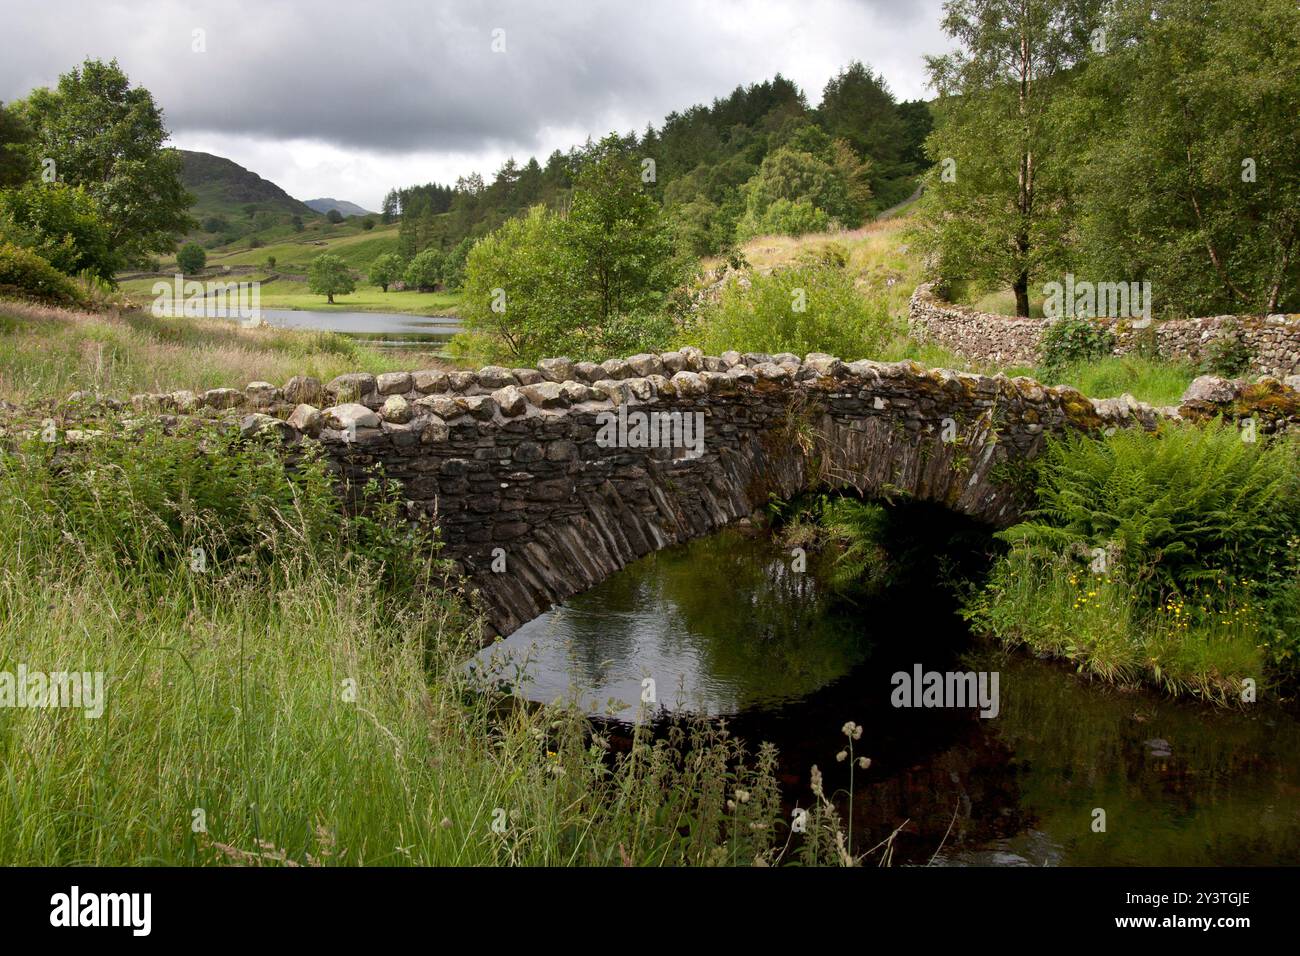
{"points": [[545, 481]]}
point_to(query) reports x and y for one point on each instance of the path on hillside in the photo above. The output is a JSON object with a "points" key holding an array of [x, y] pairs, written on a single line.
{"points": [[899, 207]]}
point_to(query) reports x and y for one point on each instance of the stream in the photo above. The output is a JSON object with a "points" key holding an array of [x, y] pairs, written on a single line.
{"points": [[724, 627]]}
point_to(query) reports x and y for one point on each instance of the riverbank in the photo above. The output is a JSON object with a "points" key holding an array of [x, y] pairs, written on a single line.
{"points": [[48, 353], [282, 687], [278, 291]]}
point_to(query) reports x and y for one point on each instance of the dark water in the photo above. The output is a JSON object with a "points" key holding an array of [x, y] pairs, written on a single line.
{"points": [[723, 627], [388, 329]]}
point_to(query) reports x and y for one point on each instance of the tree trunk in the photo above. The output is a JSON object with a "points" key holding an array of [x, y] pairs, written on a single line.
{"points": [[1021, 288], [330, 298]]}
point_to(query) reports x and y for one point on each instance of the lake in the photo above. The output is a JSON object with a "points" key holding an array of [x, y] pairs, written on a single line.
{"points": [[723, 627], [383, 329]]}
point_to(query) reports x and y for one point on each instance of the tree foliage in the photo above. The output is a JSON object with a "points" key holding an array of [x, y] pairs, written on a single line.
{"points": [[328, 275], [191, 258], [61, 224], [107, 137], [386, 269], [600, 281], [425, 271]]}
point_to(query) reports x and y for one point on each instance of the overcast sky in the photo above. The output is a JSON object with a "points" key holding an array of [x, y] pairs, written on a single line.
{"points": [[345, 99]]}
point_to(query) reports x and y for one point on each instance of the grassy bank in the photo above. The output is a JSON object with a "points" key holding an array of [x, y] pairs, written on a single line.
{"points": [[1167, 559], [295, 696], [47, 353], [285, 293]]}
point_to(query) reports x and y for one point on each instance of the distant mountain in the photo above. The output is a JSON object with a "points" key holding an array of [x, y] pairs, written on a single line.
{"points": [[231, 201], [323, 206]]}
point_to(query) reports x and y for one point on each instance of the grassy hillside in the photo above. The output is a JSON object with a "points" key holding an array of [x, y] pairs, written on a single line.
{"points": [[294, 251], [883, 267], [285, 285], [231, 202]]}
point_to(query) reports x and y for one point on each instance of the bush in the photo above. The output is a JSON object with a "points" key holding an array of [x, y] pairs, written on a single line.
{"points": [[191, 258], [1227, 354], [62, 225], [811, 307], [1074, 339], [334, 216], [25, 275], [784, 217], [368, 223], [1170, 557]]}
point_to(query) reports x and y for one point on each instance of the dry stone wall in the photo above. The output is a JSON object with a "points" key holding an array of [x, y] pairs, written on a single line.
{"points": [[985, 339]]}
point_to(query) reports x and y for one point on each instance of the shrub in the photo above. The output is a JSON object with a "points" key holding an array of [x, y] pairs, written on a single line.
{"points": [[1167, 556], [811, 307], [784, 217], [191, 258], [25, 275], [368, 223], [1227, 354], [1074, 339], [334, 216], [62, 225]]}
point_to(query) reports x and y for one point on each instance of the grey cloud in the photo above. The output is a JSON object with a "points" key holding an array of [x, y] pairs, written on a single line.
{"points": [[405, 76]]}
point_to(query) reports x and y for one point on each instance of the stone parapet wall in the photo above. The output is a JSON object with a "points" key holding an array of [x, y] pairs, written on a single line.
{"points": [[989, 340]]}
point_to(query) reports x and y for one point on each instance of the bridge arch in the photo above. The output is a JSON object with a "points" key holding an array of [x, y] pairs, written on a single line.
{"points": [[544, 484]]}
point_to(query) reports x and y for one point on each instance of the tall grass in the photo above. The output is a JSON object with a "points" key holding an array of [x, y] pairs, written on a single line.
{"points": [[285, 687], [47, 353]]}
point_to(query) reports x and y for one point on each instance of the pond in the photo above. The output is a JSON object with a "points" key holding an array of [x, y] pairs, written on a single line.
{"points": [[724, 627]]}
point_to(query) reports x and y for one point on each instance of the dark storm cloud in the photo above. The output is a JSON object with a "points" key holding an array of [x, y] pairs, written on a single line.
{"points": [[405, 76]]}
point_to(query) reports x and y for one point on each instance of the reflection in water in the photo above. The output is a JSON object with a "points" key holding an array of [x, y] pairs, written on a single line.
{"points": [[723, 627], [388, 323]]}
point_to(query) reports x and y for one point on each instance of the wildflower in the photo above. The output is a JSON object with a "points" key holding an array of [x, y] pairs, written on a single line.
{"points": [[864, 762], [840, 757], [446, 823]]}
